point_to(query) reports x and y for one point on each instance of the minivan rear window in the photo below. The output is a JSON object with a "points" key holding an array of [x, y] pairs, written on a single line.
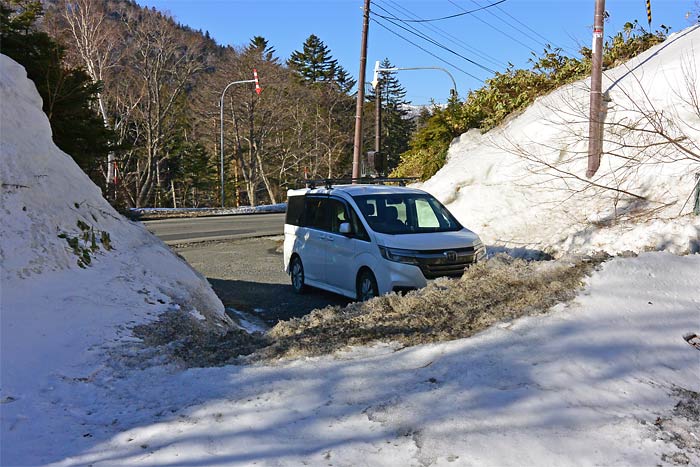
{"points": [[295, 210]]}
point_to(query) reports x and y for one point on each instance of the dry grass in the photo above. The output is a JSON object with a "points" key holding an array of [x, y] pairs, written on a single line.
{"points": [[501, 289]]}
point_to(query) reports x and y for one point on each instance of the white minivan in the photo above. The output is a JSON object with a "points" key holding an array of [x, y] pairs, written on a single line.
{"points": [[362, 241]]}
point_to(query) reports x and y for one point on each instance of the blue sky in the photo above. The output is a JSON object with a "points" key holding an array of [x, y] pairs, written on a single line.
{"points": [[491, 38]]}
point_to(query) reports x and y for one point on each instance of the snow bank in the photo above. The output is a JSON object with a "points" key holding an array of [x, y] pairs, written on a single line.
{"points": [[265, 208], [592, 383], [75, 274], [523, 184]]}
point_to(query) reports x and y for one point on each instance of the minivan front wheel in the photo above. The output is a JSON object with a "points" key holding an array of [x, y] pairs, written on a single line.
{"points": [[366, 286], [297, 275]]}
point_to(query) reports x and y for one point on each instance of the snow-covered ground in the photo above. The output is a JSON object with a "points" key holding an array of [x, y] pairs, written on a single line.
{"points": [[74, 274], [594, 382], [581, 386]]}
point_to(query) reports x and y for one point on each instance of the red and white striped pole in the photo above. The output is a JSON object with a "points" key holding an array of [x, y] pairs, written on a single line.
{"points": [[258, 89]]}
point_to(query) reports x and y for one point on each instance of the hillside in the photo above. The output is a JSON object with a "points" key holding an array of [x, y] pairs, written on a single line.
{"points": [[523, 185]]}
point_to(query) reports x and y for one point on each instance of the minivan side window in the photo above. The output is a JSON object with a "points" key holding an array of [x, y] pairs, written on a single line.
{"points": [[295, 211], [338, 214], [317, 215], [357, 227]]}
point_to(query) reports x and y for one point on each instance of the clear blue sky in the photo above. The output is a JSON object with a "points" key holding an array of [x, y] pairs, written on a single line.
{"points": [[492, 37]]}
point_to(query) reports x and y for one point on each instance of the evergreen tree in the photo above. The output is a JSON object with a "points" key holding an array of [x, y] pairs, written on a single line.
{"points": [[68, 94], [344, 81], [260, 45], [315, 62], [397, 127]]}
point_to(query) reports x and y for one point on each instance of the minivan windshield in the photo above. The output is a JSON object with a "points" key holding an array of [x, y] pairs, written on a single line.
{"points": [[406, 213]]}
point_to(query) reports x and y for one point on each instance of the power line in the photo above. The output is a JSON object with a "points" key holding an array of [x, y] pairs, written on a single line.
{"points": [[495, 28], [434, 42], [444, 17], [530, 29], [427, 51], [512, 26], [446, 35]]}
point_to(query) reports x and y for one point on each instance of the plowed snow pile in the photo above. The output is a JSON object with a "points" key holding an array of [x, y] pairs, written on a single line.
{"points": [[75, 274], [523, 184]]}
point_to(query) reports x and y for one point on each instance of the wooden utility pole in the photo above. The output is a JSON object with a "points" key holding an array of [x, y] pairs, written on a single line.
{"points": [[378, 118], [595, 128], [357, 146]]}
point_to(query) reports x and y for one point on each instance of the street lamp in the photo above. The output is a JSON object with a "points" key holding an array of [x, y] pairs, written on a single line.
{"points": [[378, 102], [377, 70], [258, 90]]}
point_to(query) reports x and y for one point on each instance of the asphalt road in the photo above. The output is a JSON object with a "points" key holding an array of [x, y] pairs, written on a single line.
{"points": [[198, 229], [248, 275]]}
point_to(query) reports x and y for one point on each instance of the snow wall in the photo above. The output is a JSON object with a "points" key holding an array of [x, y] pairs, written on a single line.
{"points": [[55, 221], [523, 184]]}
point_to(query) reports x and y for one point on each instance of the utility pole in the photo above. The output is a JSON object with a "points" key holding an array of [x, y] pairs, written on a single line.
{"points": [[595, 128], [357, 146], [378, 118]]}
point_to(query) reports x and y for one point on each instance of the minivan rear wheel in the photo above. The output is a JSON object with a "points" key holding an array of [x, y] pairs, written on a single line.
{"points": [[366, 286], [296, 271]]}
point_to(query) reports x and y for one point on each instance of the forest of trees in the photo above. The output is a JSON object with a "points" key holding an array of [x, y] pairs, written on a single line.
{"points": [[134, 96]]}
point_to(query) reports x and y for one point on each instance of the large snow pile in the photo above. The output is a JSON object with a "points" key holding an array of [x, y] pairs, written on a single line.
{"points": [[524, 183], [74, 273]]}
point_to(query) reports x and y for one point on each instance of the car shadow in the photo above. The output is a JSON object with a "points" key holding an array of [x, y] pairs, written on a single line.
{"points": [[273, 302]]}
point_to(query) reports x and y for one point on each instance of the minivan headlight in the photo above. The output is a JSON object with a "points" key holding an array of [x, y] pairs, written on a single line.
{"points": [[399, 256]]}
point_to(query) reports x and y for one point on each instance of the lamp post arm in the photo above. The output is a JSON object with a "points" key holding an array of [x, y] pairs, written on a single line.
{"points": [[454, 83], [221, 143]]}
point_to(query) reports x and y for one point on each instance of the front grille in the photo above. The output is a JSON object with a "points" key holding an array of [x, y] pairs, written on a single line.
{"points": [[440, 263]]}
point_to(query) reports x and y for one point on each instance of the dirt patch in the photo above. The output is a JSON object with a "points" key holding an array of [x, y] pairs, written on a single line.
{"points": [[681, 428], [183, 338]]}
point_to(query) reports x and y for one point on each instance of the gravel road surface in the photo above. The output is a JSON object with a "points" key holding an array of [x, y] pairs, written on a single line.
{"points": [[248, 275]]}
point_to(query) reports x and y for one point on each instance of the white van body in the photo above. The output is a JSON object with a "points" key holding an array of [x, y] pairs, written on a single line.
{"points": [[366, 240]]}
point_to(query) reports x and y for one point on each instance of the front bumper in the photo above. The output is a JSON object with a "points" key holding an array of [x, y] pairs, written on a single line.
{"points": [[399, 276]]}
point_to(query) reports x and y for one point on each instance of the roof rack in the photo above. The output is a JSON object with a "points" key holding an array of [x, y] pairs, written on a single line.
{"points": [[329, 182]]}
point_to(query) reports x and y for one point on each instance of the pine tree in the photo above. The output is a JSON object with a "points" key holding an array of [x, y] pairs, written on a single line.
{"points": [[397, 128], [315, 62], [260, 45], [68, 94]]}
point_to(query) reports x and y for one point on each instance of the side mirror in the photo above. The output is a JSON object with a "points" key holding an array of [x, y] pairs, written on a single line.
{"points": [[345, 228]]}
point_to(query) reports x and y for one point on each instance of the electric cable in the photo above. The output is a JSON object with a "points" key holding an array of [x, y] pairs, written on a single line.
{"points": [[446, 35], [495, 28], [515, 27], [427, 51], [436, 43], [444, 17], [505, 12]]}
